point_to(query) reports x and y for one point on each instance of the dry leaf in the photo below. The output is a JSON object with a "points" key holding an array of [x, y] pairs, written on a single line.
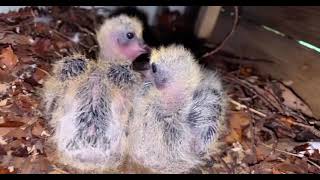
{"points": [[262, 152], [11, 124], [294, 102], [4, 170], [3, 88], [38, 76], [37, 129], [21, 152], [309, 148], [246, 71], [238, 122], [2, 140], [26, 103], [276, 171], [286, 167], [17, 133], [3, 102], [8, 58], [43, 46], [14, 39], [4, 131], [2, 151]]}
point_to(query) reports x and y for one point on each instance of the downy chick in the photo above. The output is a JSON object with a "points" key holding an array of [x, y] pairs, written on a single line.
{"points": [[90, 102], [177, 118]]}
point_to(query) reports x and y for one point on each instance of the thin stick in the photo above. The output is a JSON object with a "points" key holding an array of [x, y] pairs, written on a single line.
{"points": [[58, 170], [249, 87], [242, 106], [312, 129], [44, 71], [230, 171], [70, 39], [292, 154], [274, 138], [29, 123], [252, 131], [235, 22]]}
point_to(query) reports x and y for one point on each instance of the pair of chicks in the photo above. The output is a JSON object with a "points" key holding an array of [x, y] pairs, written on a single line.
{"points": [[103, 112]]}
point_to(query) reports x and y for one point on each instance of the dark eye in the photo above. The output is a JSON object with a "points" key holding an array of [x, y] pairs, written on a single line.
{"points": [[130, 35], [154, 68]]}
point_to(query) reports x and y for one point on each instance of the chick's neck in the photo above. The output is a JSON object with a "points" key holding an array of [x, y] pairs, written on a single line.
{"points": [[174, 98]]}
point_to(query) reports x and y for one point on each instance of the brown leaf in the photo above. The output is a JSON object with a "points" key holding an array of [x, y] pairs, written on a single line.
{"points": [[3, 88], [285, 167], [294, 102], [316, 156], [4, 131], [11, 124], [246, 71], [4, 170], [262, 152], [5, 77], [63, 44], [26, 103], [8, 58], [302, 147], [15, 144], [2, 151], [39, 75], [282, 127], [21, 152], [37, 129], [14, 39], [43, 46], [3, 102], [17, 133], [238, 121], [27, 86], [286, 121], [38, 165], [41, 28]]}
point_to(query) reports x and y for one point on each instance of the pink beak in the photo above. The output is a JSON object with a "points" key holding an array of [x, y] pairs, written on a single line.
{"points": [[142, 47], [139, 48]]}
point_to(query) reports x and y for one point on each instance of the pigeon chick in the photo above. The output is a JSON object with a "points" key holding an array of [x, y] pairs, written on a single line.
{"points": [[89, 102], [178, 117]]}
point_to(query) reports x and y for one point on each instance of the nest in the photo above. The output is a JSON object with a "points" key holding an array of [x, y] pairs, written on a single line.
{"points": [[271, 129]]}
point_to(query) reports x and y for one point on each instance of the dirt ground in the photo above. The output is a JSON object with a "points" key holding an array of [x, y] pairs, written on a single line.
{"points": [[270, 129]]}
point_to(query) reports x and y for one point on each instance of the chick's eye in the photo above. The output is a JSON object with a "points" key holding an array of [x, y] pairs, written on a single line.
{"points": [[130, 35], [154, 68]]}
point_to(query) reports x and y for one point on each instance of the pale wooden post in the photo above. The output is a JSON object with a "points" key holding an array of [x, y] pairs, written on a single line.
{"points": [[206, 21]]}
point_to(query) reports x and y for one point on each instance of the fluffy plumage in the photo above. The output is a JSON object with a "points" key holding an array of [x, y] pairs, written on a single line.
{"points": [[177, 118], [88, 103]]}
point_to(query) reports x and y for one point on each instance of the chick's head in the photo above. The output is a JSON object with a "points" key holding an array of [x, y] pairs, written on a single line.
{"points": [[120, 39], [174, 68]]}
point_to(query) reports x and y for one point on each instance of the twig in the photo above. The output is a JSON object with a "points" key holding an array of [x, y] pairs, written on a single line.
{"points": [[242, 106], [312, 129], [230, 171], [252, 131], [235, 22], [83, 29], [292, 154], [274, 140], [232, 57], [58, 170], [29, 123], [256, 90], [68, 38], [46, 72]]}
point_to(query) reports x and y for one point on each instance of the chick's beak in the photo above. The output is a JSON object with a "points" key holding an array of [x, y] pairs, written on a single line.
{"points": [[144, 48], [137, 48]]}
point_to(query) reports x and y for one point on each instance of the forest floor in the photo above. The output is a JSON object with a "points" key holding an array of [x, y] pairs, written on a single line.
{"points": [[271, 130]]}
